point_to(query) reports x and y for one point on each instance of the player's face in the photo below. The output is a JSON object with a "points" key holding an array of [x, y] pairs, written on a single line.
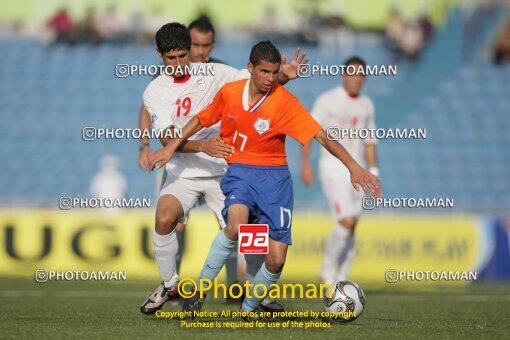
{"points": [[353, 83], [174, 59], [264, 74], [202, 45]]}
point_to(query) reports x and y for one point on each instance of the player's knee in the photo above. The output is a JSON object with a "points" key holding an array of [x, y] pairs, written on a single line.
{"points": [[349, 222], [165, 223], [275, 264], [231, 231]]}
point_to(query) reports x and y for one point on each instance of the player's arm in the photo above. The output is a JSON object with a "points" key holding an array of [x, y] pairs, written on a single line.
{"points": [[206, 118], [214, 147], [165, 154], [289, 71], [319, 112], [371, 157], [370, 144], [306, 164], [144, 124], [358, 174]]}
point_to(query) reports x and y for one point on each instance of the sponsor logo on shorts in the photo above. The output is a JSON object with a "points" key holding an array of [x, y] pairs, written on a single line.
{"points": [[253, 239]]}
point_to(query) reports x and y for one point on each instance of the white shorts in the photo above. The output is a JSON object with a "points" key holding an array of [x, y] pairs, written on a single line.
{"points": [[189, 190], [343, 200]]}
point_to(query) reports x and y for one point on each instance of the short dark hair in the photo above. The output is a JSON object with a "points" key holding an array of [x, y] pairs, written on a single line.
{"points": [[173, 36], [355, 60], [265, 51], [202, 25]]}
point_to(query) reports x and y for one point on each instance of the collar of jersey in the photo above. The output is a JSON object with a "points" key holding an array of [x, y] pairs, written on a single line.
{"points": [[182, 79], [246, 93]]}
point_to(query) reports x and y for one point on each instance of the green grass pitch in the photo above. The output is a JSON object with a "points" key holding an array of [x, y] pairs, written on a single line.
{"points": [[63, 310]]}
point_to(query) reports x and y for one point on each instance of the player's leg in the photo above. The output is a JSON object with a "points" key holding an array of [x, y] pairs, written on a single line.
{"points": [[180, 231], [347, 255], [274, 208], [165, 250], [168, 212], [176, 198], [163, 184], [253, 264], [216, 201], [267, 275], [352, 211], [340, 240], [225, 241], [223, 244], [235, 186]]}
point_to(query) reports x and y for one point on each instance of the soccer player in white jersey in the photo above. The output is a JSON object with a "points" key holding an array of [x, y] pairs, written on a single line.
{"points": [[172, 100], [343, 107], [202, 44]]}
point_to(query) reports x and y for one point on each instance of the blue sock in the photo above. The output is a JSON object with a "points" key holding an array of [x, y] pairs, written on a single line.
{"points": [[263, 277], [220, 250]]}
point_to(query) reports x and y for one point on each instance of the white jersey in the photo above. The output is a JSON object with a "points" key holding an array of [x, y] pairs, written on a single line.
{"points": [[174, 103], [335, 108]]}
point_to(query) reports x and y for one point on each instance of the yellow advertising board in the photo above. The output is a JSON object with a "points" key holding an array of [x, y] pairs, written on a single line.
{"points": [[96, 240]]}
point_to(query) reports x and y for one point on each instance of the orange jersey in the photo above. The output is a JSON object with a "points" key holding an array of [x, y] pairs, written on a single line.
{"points": [[258, 132]]}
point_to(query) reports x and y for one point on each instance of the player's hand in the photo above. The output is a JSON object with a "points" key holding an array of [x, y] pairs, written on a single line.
{"points": [[160, 158], [307, 174], [216, 147], [144, 157], [366, 180], [290, 70]]}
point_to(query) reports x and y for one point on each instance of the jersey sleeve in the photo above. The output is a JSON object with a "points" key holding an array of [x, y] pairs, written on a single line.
{"points": [[161, 116], [226, 74], [371, 122], [320, 111], [212, 113], [296, 122]]}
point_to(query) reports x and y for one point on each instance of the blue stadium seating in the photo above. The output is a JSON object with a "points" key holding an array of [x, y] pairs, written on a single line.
{"points": [[48, 98]]}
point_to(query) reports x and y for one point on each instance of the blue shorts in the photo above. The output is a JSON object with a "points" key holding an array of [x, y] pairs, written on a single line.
{"points": [[266, 191]]}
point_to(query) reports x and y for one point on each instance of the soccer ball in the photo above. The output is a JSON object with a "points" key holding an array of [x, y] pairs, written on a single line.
{"points": [[348, 300]]}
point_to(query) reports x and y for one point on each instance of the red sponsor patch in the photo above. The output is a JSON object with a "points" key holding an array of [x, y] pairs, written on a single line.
{"points": [[253, 239]]}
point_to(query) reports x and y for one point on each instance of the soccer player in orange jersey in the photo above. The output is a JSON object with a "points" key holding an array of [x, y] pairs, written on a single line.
{"points": [[256, 115]]}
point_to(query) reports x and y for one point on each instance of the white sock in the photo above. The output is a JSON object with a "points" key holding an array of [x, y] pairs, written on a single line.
{"points": [[344, 265], [173, 281], [165, 251], [336, 243], [253, 264]]}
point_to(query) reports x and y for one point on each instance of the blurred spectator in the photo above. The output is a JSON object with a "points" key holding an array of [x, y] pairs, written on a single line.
{"points": [[109, 181], [86, 30], [62, 26], [111, 27], [412, 41], [502, 48], [395, 30], [426, 27], [407, 38], [10, 29]]}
